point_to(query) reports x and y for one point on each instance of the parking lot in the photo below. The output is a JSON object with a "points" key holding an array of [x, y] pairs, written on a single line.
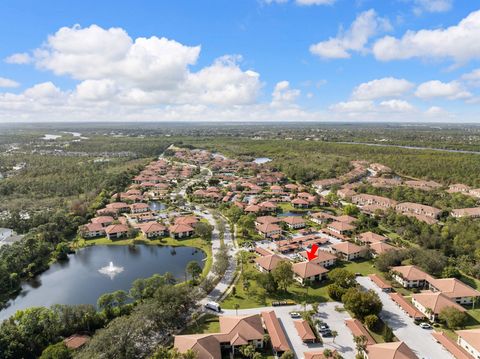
{"points": [[419, 340], [343, 342]]}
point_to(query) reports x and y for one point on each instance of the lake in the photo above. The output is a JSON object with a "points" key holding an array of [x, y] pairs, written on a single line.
{"points": [[261, 160], [156, 206], [78, 280]]}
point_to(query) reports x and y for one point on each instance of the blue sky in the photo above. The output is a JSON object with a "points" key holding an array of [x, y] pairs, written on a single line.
{"points": [[297, 60]]}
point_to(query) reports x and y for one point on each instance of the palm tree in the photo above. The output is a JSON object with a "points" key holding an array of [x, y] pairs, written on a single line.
{"points": [[266, 339], [247, 351], [195, 316], [334, 335], [327, 353], [360, 342], [189, 354], [236, 306]]}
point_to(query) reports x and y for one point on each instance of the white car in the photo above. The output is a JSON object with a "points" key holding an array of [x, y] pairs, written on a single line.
{"points": [[425, 326]]}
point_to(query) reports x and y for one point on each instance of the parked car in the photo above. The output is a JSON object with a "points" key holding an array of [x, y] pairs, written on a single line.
{"points": [[425, 326], [326, 334], [295, 315], [213, 306]]}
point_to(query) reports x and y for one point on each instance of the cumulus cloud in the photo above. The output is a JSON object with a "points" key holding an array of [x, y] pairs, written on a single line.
{"points": [[459, 43], [397, 105], [379, 88], [437, 89], [366, 25], [282, 93], [111, 66], [4, 82], [19, 58], [421, 6], [370, 107]]}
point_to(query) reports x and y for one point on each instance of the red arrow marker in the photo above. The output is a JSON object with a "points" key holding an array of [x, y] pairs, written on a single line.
{"points": [[313, 252]]}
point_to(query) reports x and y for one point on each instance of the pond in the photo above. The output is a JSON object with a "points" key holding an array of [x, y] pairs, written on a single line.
{"points": [[261, 160], [80, 281], [156, 206], [292, 214]]}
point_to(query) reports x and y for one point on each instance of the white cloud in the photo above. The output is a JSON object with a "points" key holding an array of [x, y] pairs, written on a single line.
{"points": [[19, 58], [435, 111], [282, 93], [397, 106], [459, 42], [4, 82], [432, 6], [472, 76], [94, 53], [353, 106], [437, 89], [372, 108], [145, 71], [385, 87], [366, 25]]}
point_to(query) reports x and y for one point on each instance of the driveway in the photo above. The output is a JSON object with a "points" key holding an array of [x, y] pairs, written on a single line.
{"points": [[343, 342], [418, 339]]}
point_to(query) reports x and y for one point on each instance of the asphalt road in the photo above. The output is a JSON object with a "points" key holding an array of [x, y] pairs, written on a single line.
{"points": [[418, 339]]}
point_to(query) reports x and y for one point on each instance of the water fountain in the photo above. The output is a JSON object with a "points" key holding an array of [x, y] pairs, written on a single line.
{"points": [[111, 270]]}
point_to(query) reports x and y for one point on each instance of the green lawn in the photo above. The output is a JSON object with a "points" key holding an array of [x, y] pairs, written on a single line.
{"points": [[364, 267], [253, 297], [195, 242], [208, 323], [256, 297]]}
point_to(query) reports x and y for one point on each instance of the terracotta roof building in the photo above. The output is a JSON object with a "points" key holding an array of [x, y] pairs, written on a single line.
{"points": [[470, 341], [395, 350], [275, 330], [431, 304], [304, 331], [348, 250], [268, 263], [308, 271]]}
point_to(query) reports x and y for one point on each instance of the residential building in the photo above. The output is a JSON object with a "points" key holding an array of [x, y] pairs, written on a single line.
{"points": [[394, 350], [348, 251], [410, 276], [454, 289], [304, 331], [380, 248], [269, 230], [277, 335], [115, 231], [139, 207], [153, 229], [324, 258], [308, 271], [431, 304], [321, 217], [300, 203], [470, 341], [370, 237], [235, 332], [364, 199], [92, 230], [268, 263], [294, 222], [466, 212], [180, 230], [340, 228], [104, 221], [418, 209]]}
